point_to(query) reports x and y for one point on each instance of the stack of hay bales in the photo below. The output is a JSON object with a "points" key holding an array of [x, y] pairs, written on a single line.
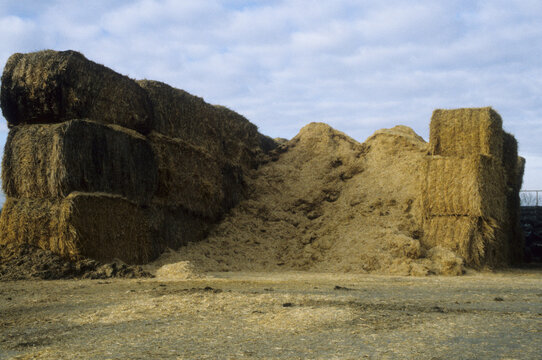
{"points": [[99, 165], [471, 189]]}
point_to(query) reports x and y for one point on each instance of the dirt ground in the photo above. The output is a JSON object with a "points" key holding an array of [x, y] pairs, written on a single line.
{"points": [[290, 315]]}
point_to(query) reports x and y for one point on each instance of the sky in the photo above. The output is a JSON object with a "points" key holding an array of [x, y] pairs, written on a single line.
{"points": [[357, 65]]}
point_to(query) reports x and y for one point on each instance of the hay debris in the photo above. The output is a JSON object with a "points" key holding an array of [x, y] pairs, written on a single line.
{"points": [[473, 186], [53, 160], [55, 86], [464, 132], [182, 270]]}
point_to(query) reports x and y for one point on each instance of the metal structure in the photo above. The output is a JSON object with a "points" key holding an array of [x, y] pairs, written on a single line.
{"points": [[530, 197]]}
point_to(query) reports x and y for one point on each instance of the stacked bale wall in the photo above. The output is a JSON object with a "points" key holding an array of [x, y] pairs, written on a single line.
{"points": [[99, 165], [471, 190]]}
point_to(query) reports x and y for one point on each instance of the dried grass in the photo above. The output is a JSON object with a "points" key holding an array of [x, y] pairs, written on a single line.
{"points": [[50, 87], [99, 226], [464, 132], [473, 186], [51, 161]]}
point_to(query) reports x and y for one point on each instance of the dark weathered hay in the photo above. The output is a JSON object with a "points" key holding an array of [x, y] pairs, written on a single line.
{"points": [[481, 242], [53, 160], [466, 132], [221, 132], [473, 186], [50, 87], [99, 226], [510, 161], [176, 227], [190, 177]]}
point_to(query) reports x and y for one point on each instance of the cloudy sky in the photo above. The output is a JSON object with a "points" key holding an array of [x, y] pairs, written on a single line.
{"points": [[357, 65]]}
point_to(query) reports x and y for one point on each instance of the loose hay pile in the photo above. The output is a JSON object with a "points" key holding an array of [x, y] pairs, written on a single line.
{"points": [[201, 179], [329, 203]]}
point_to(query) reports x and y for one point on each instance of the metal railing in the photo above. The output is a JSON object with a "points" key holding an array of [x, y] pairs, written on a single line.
{"points": [[530, 197]]}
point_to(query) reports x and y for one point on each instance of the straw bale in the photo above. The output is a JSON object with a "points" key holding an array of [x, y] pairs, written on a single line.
{"points": [[34, 222], [219, 130], [100, 226], [473, 186], [54, 86], [481, 242], [179, 114], [52, 160], [464, 132], [189, 176]]}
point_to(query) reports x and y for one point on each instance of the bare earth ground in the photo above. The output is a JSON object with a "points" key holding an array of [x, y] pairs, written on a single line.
{"points": [[290, 315]]}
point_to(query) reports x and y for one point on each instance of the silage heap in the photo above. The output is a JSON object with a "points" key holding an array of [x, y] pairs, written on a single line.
{"points": [[99, 165]]}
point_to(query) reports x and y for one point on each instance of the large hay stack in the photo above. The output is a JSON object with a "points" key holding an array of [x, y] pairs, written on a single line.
{"points": [[99, 165], [471, 188]]}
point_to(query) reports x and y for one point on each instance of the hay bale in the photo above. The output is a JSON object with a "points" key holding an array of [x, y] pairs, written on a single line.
{"points": [[179, 114], [55, 86], [464, 132], [481, 242], [473, 186], [220, 131], [53, 160], [190, 177], [100, 226], [34, 222]]}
